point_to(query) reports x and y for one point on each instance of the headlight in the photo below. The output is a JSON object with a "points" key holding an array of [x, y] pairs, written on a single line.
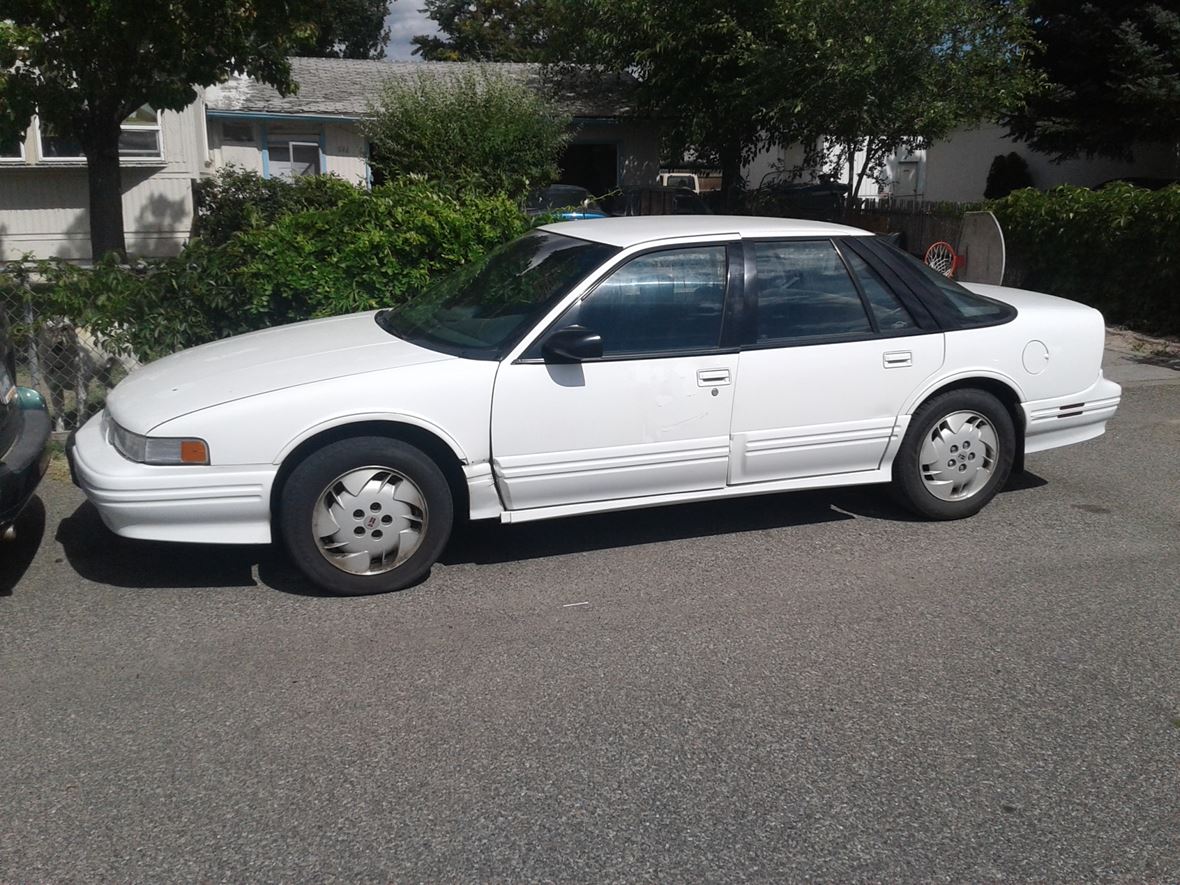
{"points": [[152, 449]]}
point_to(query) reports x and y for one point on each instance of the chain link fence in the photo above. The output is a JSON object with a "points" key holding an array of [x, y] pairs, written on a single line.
{"points": [[63, 360]]}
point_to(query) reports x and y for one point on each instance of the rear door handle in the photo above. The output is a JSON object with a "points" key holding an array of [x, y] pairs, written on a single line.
{"points": [[712, 377], [897, 359]]}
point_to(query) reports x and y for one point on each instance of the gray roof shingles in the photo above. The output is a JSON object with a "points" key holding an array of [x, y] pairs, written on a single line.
{"points": [[334, 87]]}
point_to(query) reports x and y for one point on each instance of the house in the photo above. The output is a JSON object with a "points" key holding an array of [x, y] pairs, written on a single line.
{"points": [[44, 191], [317, 130], [43, 185], [955, 169]]}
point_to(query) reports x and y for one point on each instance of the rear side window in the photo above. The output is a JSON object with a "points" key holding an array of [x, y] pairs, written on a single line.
{"points": [[804, 291], [963, 307], [888, 311]]}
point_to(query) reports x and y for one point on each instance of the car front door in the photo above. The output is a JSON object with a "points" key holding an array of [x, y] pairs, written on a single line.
{"points": [[830, 358], [650, 414]]}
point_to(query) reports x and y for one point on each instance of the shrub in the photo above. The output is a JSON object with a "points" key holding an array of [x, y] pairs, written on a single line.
{"points": [[367, 250], [1114, 249], [1007, 173], [471, 130], [236, 199]]}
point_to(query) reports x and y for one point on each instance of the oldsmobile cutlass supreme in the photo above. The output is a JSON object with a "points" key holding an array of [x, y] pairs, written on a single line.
{"points": [[592, 366]]}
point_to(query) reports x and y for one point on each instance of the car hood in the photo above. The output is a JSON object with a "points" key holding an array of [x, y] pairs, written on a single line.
{"points": [[256, 363]]}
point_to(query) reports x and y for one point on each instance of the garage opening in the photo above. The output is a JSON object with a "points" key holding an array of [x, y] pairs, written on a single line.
{"points": [[592, 166]]}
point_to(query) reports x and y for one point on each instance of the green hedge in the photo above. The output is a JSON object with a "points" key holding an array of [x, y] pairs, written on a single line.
{"points": [[236, 199], [1117, 249], [367, 250]]}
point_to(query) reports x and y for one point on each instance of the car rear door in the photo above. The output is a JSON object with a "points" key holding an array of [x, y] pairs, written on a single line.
{"points": [[829, 357]]}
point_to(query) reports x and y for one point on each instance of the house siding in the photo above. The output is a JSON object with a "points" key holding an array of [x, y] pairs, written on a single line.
{"points": [[956, 169], [43, 205], [346, 153]]}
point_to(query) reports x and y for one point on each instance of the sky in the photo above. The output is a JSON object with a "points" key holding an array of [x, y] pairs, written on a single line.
{"points": [[405, 20]]}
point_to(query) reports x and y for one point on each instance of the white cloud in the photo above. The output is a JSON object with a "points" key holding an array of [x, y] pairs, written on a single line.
{"points": [[405, 22]]}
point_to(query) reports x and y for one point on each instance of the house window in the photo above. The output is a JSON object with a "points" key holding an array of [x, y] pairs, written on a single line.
{"points": [[237, 133], [12, 149], [294, 159], [58, 147], [140, 134]]}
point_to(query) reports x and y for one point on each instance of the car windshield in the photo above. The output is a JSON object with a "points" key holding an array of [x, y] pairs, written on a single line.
{"points": [[484, 307]]}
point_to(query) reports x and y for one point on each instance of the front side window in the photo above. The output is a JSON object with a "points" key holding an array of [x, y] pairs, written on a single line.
{"points": [[664, 302], [804, 291], [482, 309]]}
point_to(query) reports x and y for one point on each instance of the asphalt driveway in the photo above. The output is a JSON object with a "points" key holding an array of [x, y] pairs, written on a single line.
{"points": [[809, 685]]}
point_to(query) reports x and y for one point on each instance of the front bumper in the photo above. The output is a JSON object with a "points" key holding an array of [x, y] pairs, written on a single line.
{"points": [[1065, 420], [200, 504], [26, 462]]}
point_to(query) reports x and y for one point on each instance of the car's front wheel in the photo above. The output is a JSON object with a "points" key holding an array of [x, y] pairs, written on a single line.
{"points": [[956, 455], [366, 515]]}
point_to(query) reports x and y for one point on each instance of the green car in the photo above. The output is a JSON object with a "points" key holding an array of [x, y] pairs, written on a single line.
{"points": [[24, 432]]}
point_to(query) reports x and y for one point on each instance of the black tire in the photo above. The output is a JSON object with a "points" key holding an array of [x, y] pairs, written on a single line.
{"points": [[909, 486], [309, 482]]}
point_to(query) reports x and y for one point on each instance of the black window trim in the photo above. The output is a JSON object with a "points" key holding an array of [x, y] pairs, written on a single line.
{"points": [[860, 290], [730, 328], [897, 284], [750, 338]]}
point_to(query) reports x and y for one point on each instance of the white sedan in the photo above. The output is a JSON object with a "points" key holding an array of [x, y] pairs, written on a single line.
{"points": [[592, 366]]}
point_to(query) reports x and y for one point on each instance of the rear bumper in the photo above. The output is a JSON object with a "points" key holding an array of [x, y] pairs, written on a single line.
{"points": [[209, 504], [25, 464], [1066, 420]]}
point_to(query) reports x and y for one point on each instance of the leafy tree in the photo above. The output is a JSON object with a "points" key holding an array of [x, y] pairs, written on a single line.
{"points": [[841, 75], [84, 66], [1112, 72], [874, 83], [347, 29], [472, 130], [490, 30], [701, 66]]}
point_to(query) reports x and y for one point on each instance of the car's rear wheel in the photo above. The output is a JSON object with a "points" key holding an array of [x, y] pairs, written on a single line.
{"points": [[366, 515], [956, 455]]}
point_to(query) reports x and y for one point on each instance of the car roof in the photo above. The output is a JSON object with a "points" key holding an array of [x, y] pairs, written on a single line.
{"points": [[635, 230]]}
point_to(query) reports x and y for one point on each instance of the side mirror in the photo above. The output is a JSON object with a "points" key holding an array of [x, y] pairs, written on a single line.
{"points": [[573, 344]]}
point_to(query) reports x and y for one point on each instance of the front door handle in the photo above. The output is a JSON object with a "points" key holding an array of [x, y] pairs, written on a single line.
{"points": [[712, 377], [897, 359]]}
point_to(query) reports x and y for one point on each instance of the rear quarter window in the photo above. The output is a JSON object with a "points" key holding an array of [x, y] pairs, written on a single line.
{"points": [[950, 301]]}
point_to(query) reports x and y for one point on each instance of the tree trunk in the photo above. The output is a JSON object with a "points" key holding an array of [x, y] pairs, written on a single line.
{"points": [[850, 197], [731, 174], [864, 170], [106, 194]]}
